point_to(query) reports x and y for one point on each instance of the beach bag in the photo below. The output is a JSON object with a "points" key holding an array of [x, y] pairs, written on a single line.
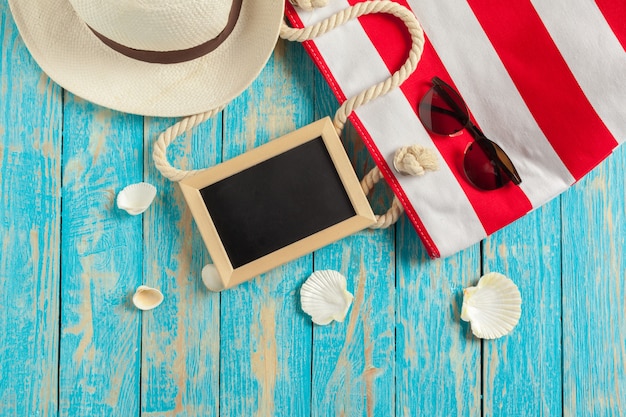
{"points": [[545, 80]]}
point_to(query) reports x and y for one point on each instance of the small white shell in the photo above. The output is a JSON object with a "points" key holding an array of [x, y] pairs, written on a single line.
{"points": [[211, 278], [147, 298], [493, 306], [136, 198], [324, 297]]}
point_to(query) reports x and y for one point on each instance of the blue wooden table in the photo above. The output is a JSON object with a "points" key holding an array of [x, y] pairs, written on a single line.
{"points": [[72, 344]]}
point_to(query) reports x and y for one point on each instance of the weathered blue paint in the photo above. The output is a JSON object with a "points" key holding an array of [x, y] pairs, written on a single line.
{"points": [[71, 344], [522, 372], [594, 292], [30, 227], [437, 361], [180, 339], [101, 262]]}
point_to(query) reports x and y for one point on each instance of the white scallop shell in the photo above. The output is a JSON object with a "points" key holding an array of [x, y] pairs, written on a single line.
{"points": [[136, 198], [493, 307], [211, 278], [147, 298], [324, 297]]}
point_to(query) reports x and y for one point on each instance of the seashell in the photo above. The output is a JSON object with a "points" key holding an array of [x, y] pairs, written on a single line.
{"points": [[136, 198], [147, 298], [493, 306], [211, 278], [324, 297]]}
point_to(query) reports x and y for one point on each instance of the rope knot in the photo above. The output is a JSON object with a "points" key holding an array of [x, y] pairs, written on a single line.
{"points": [[415, 160]]}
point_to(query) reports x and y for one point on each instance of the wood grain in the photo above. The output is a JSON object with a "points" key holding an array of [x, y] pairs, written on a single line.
{"points": [[594, 277], [102, 254], [522, 371], [72, 344], [437, 358], [181, 338], [30, 226]]}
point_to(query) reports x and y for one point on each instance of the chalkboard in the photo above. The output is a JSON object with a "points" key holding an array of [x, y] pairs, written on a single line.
{"points": [[261, 209], [277, 202]]}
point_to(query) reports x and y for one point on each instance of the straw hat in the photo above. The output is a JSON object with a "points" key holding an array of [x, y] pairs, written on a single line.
{"points": [[151, 57]]}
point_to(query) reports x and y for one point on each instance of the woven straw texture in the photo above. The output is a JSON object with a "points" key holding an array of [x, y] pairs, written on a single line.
{"points": [[68, 51]]}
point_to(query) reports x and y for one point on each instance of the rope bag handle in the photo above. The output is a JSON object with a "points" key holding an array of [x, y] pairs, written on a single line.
{"points": [[159, 154]]}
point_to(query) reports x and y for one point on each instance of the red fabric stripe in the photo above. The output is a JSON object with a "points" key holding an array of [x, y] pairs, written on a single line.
{"points": [[546, 84], [614, 12], [393, 44], [431, 248]]}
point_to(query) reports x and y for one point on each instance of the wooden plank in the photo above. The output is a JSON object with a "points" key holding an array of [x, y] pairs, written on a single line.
{"points": [[30, 225], [522, 371], [101, 263], [273, 361], [437, 360], [265, 338], [353, 362], [180, 339], [594, 276]]}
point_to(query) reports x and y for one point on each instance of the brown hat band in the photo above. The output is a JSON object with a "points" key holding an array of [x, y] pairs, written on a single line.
{"points": [[183, 55]]}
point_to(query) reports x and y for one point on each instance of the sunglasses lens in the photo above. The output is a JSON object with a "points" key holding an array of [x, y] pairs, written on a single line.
{"points": [[481, 168], [443, 111]]}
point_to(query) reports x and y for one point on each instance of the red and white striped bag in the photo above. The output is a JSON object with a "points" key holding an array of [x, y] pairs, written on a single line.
{"points": [[544, 79]]}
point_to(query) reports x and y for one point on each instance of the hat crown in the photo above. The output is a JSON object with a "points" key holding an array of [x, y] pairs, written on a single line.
{"points": [[155, 25]]}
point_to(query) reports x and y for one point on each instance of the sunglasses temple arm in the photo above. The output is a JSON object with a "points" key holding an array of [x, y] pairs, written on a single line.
{"points": [[489, 148], [444, 111], [457, 111], [481, 139]]}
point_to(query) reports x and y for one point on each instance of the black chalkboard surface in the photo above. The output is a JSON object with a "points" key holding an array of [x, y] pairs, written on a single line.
{"points": [[277, 202]]}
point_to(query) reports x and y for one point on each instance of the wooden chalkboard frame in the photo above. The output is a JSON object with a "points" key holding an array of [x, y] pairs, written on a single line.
{"points": [[231, 276]]}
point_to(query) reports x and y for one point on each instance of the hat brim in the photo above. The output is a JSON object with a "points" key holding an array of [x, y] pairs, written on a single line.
{"points": [[69, 52]]}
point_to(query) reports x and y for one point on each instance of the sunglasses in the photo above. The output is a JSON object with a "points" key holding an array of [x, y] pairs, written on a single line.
{"points": [[442, 111]]}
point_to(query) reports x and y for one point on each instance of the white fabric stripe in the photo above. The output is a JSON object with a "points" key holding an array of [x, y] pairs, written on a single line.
{"points": [[492, 97], [447, 216], [437, 197], [338, 47], [594, 55]]}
